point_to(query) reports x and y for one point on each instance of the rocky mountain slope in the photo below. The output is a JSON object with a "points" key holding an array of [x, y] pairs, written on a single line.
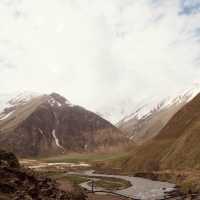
{"points": [[18, 183], [33, 125], [176, 146], [148, 120]]}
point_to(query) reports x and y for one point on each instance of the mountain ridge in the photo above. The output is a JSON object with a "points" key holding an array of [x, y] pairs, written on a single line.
{"points": [[146, 122], [54, 125]]}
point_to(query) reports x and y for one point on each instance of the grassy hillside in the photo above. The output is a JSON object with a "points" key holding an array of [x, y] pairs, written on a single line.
{"points": [[91, 158], [173, 155], [176, 147]]}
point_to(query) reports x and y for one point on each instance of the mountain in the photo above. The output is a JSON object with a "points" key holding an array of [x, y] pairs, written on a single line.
{"points": [[149, 119], [177, 144], [37, 124]]}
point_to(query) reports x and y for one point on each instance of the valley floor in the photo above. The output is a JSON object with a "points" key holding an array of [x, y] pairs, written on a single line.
{"points": [[65, 185], [104, 197], [55, 167]]}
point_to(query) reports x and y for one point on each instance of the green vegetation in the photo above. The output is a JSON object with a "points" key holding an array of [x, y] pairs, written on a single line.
{"points": [[87, 158], [108, 185], [74, 179], [104, 182], [112, 183], [53, 174]]}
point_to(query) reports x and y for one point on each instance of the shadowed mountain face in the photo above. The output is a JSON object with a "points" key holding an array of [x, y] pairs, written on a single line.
{"points": [[49, 124], [177, 144]]}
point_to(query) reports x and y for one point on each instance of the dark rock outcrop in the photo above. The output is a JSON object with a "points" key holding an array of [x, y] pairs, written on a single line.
{"points": [[9, 159], [17, 183]]}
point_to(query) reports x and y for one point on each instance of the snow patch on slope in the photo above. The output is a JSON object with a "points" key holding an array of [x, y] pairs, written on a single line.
{"points": [[146, 110], [56, 139], [23, 98], [53, 102], [11, 100], [42, 133], [5, 116]]}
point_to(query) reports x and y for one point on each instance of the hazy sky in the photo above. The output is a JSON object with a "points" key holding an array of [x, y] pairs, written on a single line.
{"points": [[101, 54]]}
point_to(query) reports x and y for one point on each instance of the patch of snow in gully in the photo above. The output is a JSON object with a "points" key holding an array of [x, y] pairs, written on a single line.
{"points": [[56, 139]]}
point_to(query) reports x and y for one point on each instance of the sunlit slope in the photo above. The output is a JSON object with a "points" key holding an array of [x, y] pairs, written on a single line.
{"points": [[149, 119], [175, 147]]}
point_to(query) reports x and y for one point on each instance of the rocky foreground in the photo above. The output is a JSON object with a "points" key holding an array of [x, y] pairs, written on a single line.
{"points": [[17, 183]]}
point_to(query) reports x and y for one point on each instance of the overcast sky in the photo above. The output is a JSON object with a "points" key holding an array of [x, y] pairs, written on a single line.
{"points": [[100, 53]]}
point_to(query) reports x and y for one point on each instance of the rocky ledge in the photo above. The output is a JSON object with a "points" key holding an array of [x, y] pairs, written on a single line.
{"points": [[17, 183]]}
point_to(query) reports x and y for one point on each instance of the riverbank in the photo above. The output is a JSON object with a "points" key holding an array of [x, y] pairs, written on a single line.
{"points": [[188, 181], [140, 188]]}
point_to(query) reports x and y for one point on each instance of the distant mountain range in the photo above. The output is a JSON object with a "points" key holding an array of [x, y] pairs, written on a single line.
{"points": [[149, 119], [34, 124], [37, 124]]}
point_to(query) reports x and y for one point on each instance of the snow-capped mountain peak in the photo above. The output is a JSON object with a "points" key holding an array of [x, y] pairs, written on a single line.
{"points": [[148, 120], [23, 97], [9, 102], [16, 98], [58, 101], [146, 110]]}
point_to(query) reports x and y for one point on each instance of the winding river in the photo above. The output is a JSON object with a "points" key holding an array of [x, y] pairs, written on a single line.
{"points": [[141, 188]]}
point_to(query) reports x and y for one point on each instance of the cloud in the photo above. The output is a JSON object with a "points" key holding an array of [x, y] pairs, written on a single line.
{"points": [[102, 54]]}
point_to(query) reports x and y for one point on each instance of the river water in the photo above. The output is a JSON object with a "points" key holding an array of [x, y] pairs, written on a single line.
{"points": [[141, 188]]}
